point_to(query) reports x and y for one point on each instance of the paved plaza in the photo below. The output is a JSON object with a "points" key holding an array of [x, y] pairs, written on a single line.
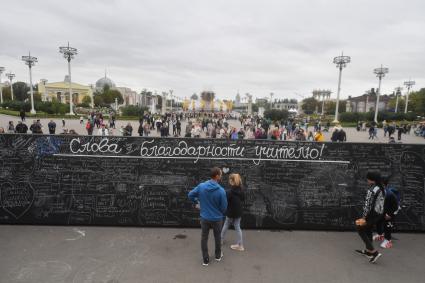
{"points": [[57, 254], [352, 134]]}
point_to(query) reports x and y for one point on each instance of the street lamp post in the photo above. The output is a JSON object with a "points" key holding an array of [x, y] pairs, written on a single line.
{"points": [[367, 93], [341, 62], [271, 100], [69, 53], [397, 92], [171, 95], [1, 86], [30, 61], [44, 81], [10, 76], [380, 73], [409, 84], [2, 69]]}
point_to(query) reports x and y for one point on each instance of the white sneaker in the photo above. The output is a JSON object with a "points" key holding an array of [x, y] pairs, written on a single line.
{"points": [[237, 248], [387, 244], [378, 237]]}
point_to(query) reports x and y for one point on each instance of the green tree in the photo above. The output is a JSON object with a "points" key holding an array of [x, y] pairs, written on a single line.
{"points": [[37, 96], [330, 107], [110, 95], [417, 102], [86, 100], [194, 96], [20, 91], [276, 115], [6, 93], [309, 105], [392, 103], [133, 110]]}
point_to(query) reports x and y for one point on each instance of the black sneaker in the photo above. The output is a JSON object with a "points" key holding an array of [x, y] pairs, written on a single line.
{"points": [[206, 261], [219, 258], [365, 253], [374, 257]]}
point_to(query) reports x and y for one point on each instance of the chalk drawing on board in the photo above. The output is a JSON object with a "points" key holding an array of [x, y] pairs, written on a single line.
{"points": [[16, 199]]}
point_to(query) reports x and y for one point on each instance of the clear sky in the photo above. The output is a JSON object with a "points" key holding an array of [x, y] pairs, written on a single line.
{"points": [[280, 46]]}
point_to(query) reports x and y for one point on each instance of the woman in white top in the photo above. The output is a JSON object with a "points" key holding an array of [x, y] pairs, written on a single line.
{"points": [[103, 131]]}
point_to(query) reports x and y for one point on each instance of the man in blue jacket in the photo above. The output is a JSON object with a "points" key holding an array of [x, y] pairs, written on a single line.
{"points": [[212, 200]]}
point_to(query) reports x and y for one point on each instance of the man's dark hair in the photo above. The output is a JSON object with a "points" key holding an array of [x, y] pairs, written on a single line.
{"points": [[374, 176], [214, 172]]}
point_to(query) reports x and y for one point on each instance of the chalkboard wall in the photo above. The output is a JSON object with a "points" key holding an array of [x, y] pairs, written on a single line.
{"points": [[81, 180]]}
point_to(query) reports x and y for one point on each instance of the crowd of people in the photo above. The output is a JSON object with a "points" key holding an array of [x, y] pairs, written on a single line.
{"points": [[212, 125]]}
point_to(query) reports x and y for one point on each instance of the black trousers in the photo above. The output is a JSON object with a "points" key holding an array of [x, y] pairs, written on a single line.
{"points": [[206, 226], [365, 232], [385, 227]]}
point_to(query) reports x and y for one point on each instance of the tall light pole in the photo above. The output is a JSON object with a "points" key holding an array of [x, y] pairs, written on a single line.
{"points": [[341, 62], [1, 86], [367, 93], [69, 53], [171, 95], [10, 76], [44, 81], [397, 92], [271, 100], [380, 73], [91, 96], [409, 84], [30, 61]]}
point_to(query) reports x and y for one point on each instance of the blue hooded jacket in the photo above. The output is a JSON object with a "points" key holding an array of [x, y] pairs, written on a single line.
{"points": [[212, 198]]}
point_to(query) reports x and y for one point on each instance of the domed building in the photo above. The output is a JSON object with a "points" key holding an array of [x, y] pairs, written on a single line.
{"points": [[130, 97], [105, 81]]}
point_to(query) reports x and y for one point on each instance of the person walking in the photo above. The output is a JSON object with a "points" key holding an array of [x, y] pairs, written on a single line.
{"points": [[373, 212], [22, 114], [235, 198], [391, 208], [212, 201]]}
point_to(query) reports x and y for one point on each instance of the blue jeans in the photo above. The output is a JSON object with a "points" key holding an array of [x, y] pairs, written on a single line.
{"points": [[237, 224]]}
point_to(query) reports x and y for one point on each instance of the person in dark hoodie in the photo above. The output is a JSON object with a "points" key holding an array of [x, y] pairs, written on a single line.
{"points": [[391, 208], [211, 198], [373, 212], [235, 198]]}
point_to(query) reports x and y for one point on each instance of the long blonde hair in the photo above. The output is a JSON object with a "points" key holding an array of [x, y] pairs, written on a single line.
{"points": [[235, 180]]}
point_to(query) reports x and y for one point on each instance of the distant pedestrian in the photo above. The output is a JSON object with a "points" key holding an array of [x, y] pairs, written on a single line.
{"points": [[400, 131], [11, 128], [212, 201], [235, 199], [90, 126], [52, 127], [63, 122], [103, 131], [140, 129], [81, 120], [22, 114], [21, 128], [373, 212], [371, 132]]}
